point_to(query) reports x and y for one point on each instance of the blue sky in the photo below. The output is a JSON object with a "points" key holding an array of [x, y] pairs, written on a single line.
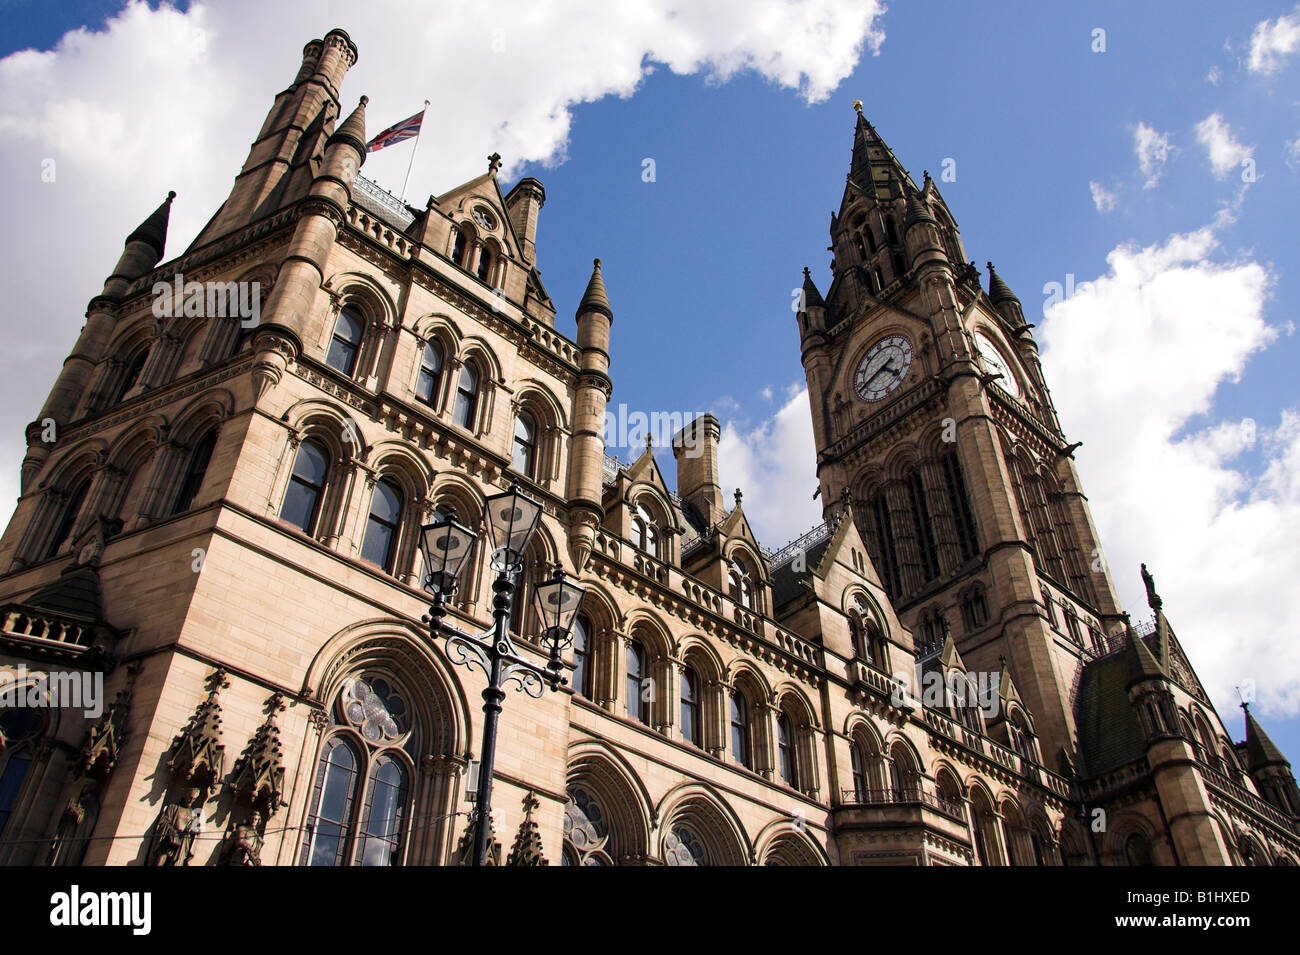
{"points": [[1156, 366]]}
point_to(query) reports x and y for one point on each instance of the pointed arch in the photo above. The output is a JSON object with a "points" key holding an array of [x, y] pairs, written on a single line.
{"points": [[701, 808], [623, 799], [780, 843]]}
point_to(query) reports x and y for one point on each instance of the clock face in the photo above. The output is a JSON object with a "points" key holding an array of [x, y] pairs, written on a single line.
{"points": [[883, 368], [996, 364]]}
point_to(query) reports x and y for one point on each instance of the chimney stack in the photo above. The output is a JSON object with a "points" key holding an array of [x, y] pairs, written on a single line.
{"points": [[695, 449]]}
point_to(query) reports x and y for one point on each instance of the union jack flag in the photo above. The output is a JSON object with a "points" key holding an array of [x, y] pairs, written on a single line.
{"points": [[408, 128]]}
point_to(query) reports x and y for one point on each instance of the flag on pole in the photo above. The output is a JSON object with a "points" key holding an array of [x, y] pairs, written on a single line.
{"points": [[408, 128]]}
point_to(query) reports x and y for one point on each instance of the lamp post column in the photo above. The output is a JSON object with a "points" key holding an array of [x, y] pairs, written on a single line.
{"points": [[493, 696]]}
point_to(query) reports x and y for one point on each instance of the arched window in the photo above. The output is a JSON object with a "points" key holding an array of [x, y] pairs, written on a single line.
{"points": [[581, 656], [644, 532], [890, 230], [927, 551], [302, 499], [740, 734], [359, 810], [130, 376], [858, 768], [740, 585], [429, 382], [974, 608], [690, 692], [902, 775], [959, 504], [196, 466], [345, 346], [860, 247], [683, 848], [381, 822], [460, 249], [524, 459], [380, 543], [466, 398], [638, 702], [786, 753], [19, 727], [882, 536], [484, 270], [871, 239], [68, 519], [1022, 741], [1137, 851]]}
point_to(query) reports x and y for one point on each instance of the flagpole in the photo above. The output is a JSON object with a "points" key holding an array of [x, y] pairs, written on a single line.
{"points": [[410, 165]]}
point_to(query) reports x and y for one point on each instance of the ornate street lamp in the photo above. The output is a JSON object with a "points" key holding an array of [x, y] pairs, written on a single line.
{"points": [[512, 519]]}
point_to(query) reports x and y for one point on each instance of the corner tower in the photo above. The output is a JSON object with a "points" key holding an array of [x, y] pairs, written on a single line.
{"points": [[930, 410]]}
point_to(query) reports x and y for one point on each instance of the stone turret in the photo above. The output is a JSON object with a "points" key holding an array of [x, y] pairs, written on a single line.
{"points": [[142, 250], [586, 465]]}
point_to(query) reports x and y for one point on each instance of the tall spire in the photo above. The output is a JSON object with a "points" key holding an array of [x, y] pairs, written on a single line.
{"points": [[1260, 750], [153, 230], [811, 297], [595, 299], [874, 168]]}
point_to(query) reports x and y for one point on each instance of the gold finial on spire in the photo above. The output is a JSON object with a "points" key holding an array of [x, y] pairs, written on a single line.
{"points": [[857, 106]]}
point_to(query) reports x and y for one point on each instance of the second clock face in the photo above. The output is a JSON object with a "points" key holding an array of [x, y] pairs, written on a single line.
{"points": [[996, 364], [883, 368]]}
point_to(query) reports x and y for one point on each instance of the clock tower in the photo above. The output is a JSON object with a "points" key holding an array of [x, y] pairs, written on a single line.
{"points": [[933, 420]]}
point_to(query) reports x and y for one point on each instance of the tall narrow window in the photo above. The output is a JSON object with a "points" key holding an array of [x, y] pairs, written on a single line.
{"points": [[18, 726], [928, 552], [740, 729], [302, 499], [786, 751], [130, 376], [346, 343], [330, 822], [638, 704], [886, 553], [959, 504], [381, 821], [429, 382], [466, 398], [740, 585], [380, 543], [459, 250], [524, 459], [871, 240], [484, 270], [196, 466], [858, 767], [71, 508], [690, 690], [644, 532], [581, 658]]}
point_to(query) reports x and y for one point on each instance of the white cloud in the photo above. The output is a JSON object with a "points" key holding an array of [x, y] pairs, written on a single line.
{"points": [[775, 464], [150, 102], [1272, 41], [1102, 198], [1153, 151], [1225, 153], [1214, 76], [1172, 484], [1291, 153]]}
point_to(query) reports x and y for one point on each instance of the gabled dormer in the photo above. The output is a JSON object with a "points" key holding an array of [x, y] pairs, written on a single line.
{"points": [[490, 238], [641, 510]]}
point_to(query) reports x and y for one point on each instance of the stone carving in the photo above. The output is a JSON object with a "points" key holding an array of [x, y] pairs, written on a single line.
{"points": [[527, 849], [179, 824]]}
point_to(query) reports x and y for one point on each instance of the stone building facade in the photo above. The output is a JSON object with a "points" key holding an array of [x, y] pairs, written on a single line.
{"points": [[219, 520]]}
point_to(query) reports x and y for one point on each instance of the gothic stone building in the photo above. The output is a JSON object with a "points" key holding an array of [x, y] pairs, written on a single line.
{"points": [[222, 521]]}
